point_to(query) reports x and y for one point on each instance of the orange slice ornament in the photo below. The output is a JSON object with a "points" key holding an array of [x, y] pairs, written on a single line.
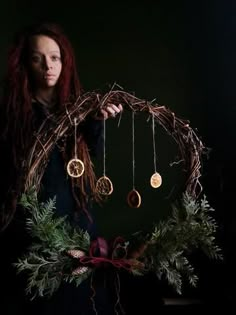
{"points": [[134, 199], [104, 186], [156, 180], [75, 168]]}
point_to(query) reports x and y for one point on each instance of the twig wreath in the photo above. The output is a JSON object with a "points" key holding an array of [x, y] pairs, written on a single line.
{"points": [[61, 252]]}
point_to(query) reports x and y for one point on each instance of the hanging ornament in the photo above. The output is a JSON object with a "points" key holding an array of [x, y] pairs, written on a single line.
{"points": [[75, 167], [133, 197], [104, 185], [156, 179]]}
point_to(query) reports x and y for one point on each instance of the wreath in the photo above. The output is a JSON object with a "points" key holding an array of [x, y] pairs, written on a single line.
{"points": [[61, 252]]}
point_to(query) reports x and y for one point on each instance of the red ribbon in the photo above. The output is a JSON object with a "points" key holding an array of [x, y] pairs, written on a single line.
{"points": [[100, 245]]}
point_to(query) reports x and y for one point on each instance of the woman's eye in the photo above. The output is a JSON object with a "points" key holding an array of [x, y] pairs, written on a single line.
{"points": [[55, 58], [35, 58]]}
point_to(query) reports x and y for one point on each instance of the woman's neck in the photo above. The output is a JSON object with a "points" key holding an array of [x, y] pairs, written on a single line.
{"points": [[46, 97]]}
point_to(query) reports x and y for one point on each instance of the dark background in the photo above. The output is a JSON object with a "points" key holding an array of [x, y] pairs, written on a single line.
{"points": [[181, 53]]}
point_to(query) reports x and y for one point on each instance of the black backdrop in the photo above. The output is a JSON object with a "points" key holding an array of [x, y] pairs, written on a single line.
{"points": [[182, 54]]}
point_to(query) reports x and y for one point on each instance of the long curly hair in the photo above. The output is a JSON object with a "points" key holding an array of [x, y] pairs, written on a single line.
{"points": [[16, 123]]}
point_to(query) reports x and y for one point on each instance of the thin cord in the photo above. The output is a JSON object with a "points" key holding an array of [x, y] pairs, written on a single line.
{"points": [[118, 125], [133, 158], [118, 303], [153, 141], [75, 124], [104, 147], [93, 294]]}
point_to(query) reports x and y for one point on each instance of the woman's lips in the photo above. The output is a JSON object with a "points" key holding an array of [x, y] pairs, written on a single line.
{"points": [[49, 76]]}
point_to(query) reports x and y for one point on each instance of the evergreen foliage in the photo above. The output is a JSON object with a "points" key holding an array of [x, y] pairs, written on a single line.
{"points": [[165, 250]]}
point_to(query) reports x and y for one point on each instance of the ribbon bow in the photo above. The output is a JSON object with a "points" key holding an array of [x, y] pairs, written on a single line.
{"points": [[101, 255]]}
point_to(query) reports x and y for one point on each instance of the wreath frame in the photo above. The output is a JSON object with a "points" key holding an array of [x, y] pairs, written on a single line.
{"points": [[163, 250], [88, 104]]}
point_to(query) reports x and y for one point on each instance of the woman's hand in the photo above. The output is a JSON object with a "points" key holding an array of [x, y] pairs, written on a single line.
{"points": [[110, 110]]}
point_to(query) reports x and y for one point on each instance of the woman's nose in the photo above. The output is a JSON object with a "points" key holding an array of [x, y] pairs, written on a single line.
{"points": [[47, 64]]}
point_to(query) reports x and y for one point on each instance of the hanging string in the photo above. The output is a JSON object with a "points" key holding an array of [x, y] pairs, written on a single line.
{"points": [[156, 179], [118, 307], [118, 125], [133, 155], [75, 124], [153, 142], [133, 198], [104, 147], [75, 167], [104, 185]]}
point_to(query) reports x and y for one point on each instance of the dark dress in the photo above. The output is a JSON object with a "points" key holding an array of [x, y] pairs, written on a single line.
{"points": [[136, 295], [69, 299]]}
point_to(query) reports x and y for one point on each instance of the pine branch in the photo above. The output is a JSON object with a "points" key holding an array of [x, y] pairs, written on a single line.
{"points": [[190, 227], [46, 262]]}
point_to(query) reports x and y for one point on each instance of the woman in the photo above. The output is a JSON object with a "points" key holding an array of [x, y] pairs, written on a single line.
{"points": [[41, 78]]}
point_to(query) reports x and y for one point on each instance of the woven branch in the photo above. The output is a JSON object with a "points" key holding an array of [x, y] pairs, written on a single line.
{"points": [[190, 146]]}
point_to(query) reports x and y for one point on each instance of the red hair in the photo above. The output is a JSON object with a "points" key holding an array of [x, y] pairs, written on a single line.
{"points": [[16, 103], [17, 97]]}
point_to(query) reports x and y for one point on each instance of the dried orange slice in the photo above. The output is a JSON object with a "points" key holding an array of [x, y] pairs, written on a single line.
{"points": [[134, 199], [156, 180], [104, 186], [75, 168]]}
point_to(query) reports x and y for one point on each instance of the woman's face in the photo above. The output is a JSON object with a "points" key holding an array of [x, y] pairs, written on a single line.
{"points": [[44, 61]]}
